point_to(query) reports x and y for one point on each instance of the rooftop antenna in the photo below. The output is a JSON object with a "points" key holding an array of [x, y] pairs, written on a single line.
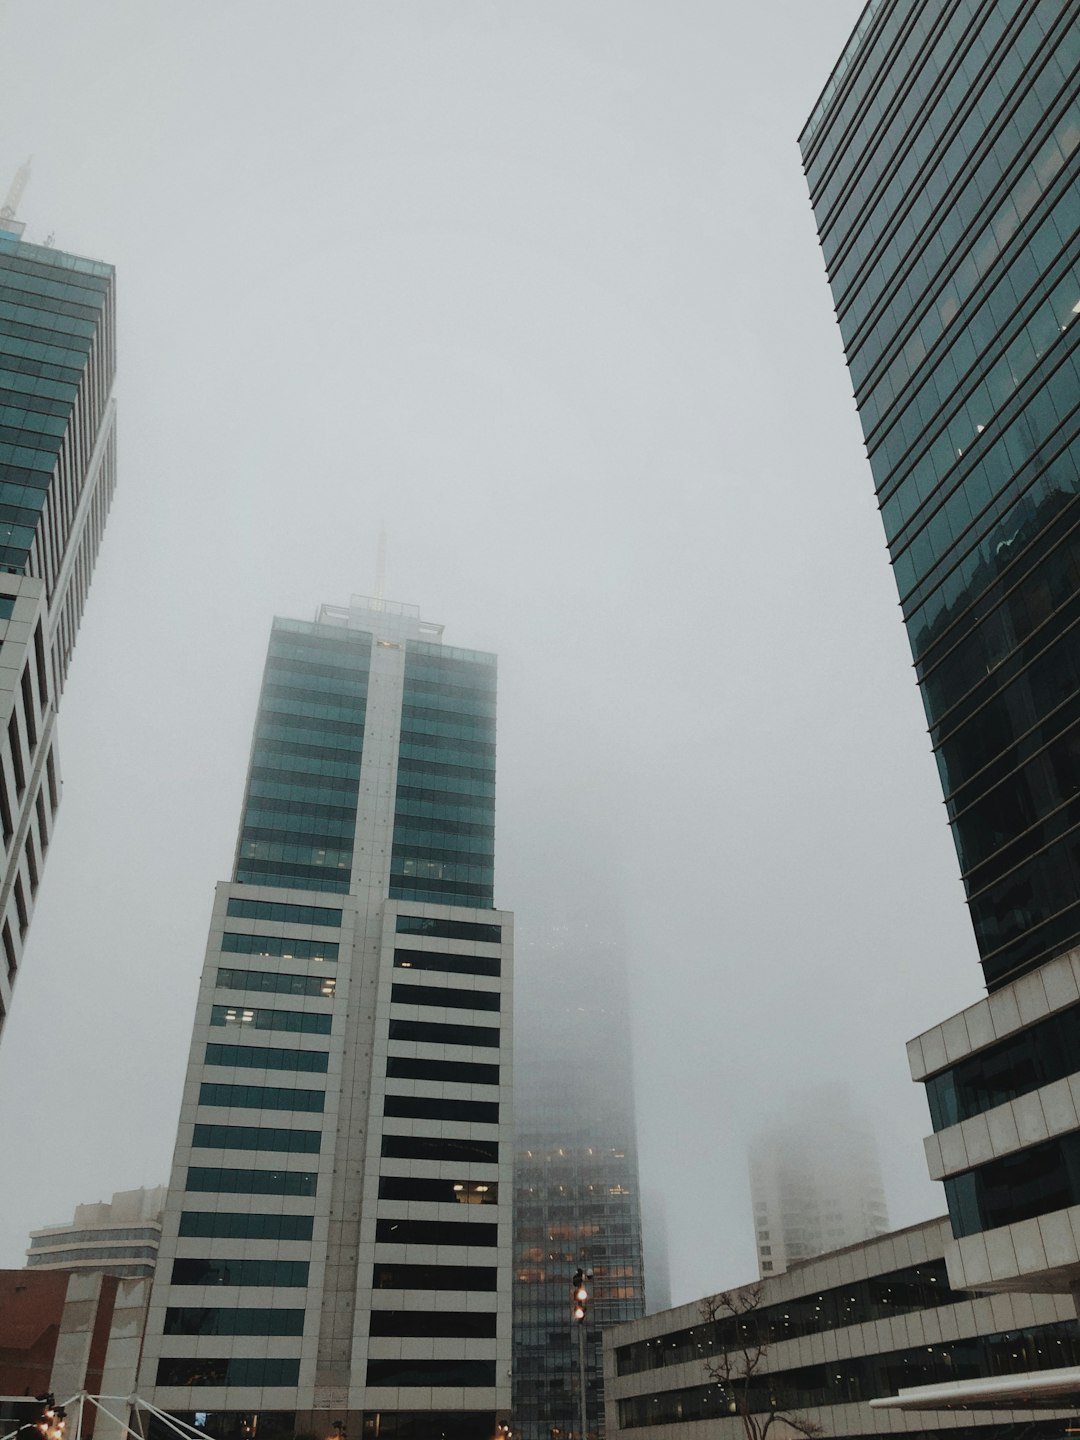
{"points": [[380, 569], [10, 206]]}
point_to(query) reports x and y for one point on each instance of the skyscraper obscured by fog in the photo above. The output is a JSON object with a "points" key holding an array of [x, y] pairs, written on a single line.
{"points": [[57, 475], [335, 1246], [576, 1195], [943, 160], [815, 1181]]}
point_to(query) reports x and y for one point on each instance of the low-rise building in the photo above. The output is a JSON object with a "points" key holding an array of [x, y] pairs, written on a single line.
{"points": [[112, 1237], [831, 1335]]}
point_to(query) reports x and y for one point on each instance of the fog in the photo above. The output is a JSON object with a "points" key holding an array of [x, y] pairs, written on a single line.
{"points": [[534, 286]]}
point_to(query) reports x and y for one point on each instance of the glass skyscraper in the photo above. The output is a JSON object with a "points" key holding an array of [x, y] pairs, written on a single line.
{"points": [[57, 476], [335, 1250], [943, 160], [577, 1201]]}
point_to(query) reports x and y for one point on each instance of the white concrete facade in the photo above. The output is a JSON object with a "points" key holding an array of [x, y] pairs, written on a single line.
{"points": [[1043, 1252], [965, 1317]]}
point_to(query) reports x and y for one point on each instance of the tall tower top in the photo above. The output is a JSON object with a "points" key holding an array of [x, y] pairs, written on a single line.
{"points": [[385, 619], [8, 223]]}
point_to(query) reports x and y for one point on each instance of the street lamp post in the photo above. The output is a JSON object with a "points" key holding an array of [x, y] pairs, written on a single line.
{"points": [[580, 1299]]}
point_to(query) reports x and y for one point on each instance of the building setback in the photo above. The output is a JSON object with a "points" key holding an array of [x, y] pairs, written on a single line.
{"points": [[577, 1202], [335, 1249], [815, 1180], [943, 160], [57, 476], [834, 1334]]}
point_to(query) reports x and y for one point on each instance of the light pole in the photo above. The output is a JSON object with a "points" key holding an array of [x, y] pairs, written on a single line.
{"points": [[579, 1291]]}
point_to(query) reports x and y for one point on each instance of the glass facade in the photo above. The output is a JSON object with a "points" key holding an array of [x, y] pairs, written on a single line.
{"points": [[444, 819], [866, 1377], [55, 331], [944, 170], [300, 808]]}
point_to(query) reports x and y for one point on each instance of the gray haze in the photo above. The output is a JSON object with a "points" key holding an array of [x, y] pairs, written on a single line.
{"points": [[535, 285]]}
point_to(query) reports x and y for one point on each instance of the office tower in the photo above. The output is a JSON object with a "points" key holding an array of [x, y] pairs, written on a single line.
{"points": [[815, 1180], [112, 1237], [576, 1197], [57, 475], [942, 160], [335, 1250]]}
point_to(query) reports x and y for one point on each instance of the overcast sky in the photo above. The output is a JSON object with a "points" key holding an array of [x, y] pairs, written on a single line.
{"points": [[535, 285]]}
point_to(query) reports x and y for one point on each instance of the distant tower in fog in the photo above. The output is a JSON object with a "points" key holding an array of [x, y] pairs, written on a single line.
{"points": [[576, 1197], [815, 1180]]}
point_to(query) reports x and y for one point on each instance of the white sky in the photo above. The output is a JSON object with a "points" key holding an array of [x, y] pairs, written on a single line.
{"points": [[535, 284]]}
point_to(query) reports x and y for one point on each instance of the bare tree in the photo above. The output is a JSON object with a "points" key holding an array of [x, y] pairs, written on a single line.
{"points": [[739, 1367]]}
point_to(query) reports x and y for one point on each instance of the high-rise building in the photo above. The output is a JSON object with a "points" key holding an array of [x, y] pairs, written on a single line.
{"points": [[943, 160], [576, 1196], [335, 1251], [57, 476], [815, 1180], [112, 1237]]}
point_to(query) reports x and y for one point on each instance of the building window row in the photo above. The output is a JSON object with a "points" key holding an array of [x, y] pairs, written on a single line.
{"points": [[297, 1021], [438, 1192], [256, 1137], [434, 1033], [447, 964], [247, 1320], [430, 1147], [266, 1057], [865, 1377], [435, 1232], [434, 1277], [203, 1372], [900, 1292], [445, 997], [223, 1180], [229, 1225], [270, 983], [284, 1274], [261, 1097], [425, 1107], [242, 909]]}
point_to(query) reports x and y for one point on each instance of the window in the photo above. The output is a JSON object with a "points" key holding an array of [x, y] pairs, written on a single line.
{"points": [[298, 1021], [26, 686], [206, 1372], [431, 1373], [9, 953], [20, 906], [221, 1181], [447, 964], [255, 1137], [206, 1320], [424, 1324], [448, 929], [445, 997], [438, 1192], [435, 1232], [227, 1225], [467, 1072], [286, 914], [434, 1277], [16, 755], [437, 1033], [288, 1274], [259, 1057], [261, 1097], [422, 1107], [7, 606], [427, 1147], [268, 983], [285, 946]]}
